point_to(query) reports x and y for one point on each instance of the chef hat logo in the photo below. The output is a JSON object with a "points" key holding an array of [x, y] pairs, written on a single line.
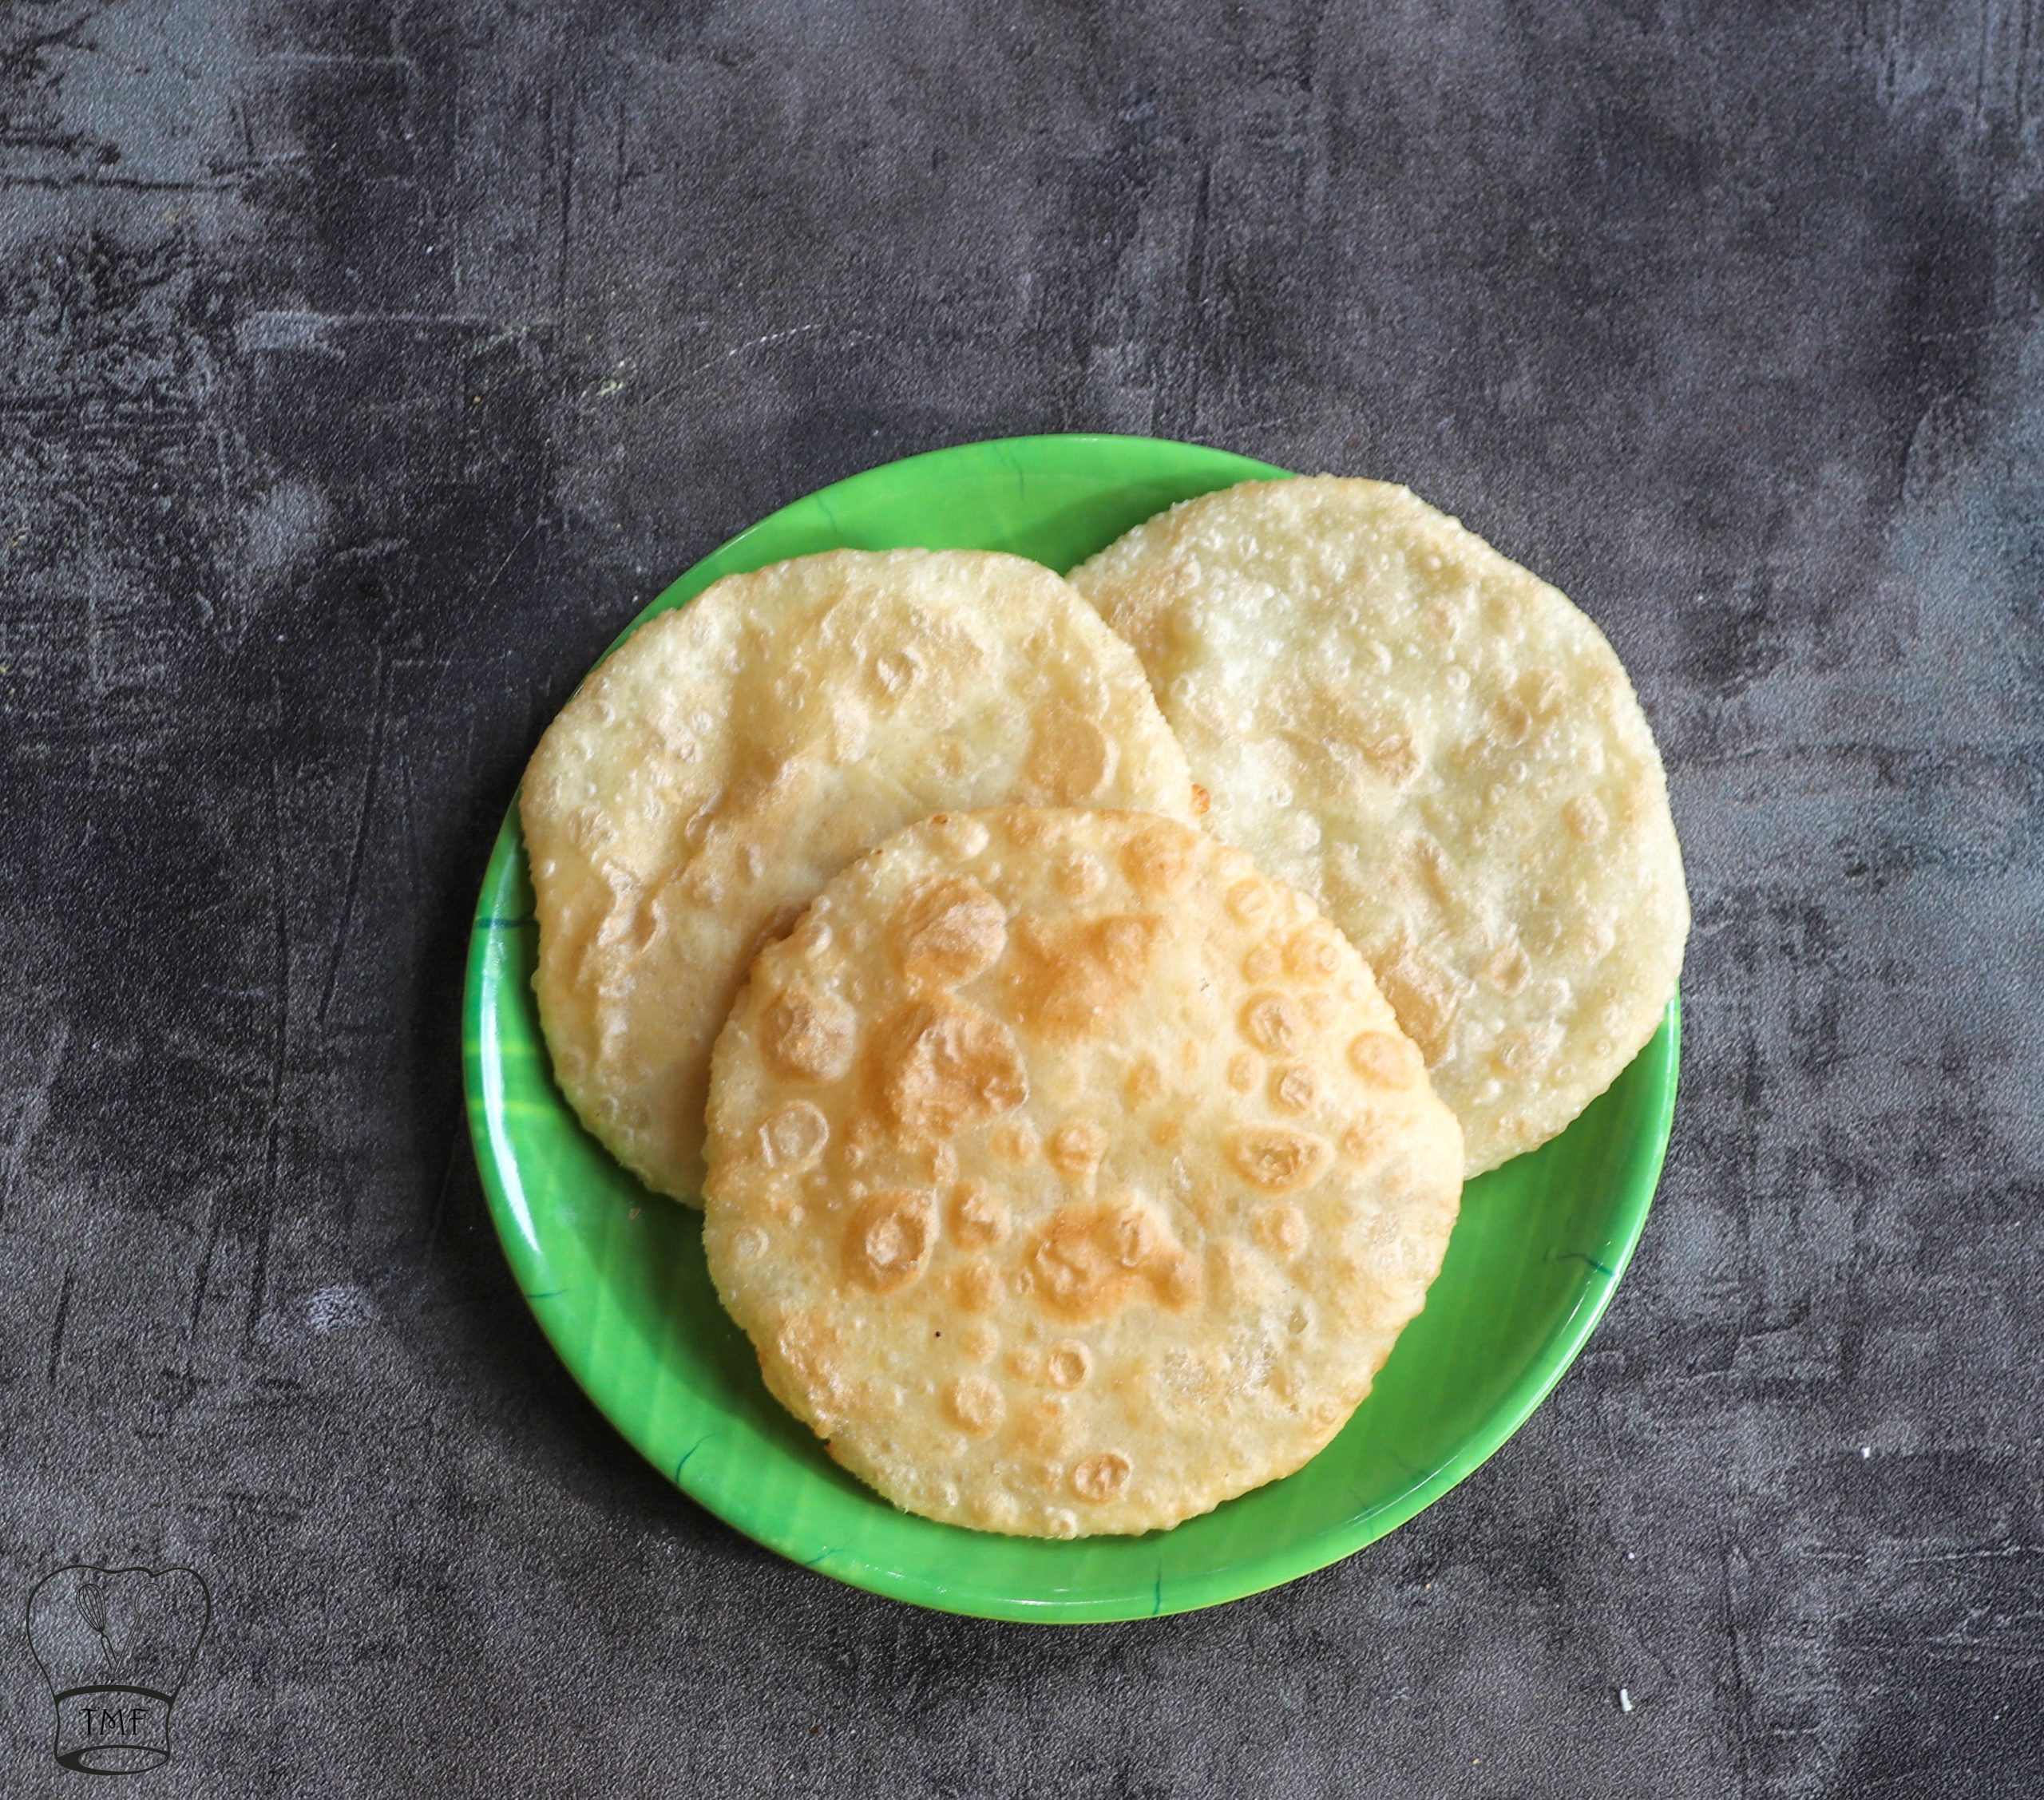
{"points": [[115, 1643]]}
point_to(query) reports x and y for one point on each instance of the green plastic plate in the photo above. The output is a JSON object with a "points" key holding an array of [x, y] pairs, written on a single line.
{"points": [[614, 1275]]}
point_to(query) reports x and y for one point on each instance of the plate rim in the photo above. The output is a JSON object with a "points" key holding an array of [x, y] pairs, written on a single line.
{"points": [[1282, 1563]]}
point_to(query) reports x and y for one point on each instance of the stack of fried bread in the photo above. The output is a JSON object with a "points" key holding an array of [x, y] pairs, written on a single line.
{"points": [[1077, 1003]]}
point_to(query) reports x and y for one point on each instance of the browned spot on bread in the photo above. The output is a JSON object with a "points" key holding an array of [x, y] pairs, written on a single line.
{"points": [[1262, 962], [1274, 1024], [1541, 692], [1144, 1081], [1075, 1149], [1071, 759], [1066, 980], [1157, 862], [1426, 998], [1101, 1478], [1068, 1364], [1044, 1427], [1278, 1160], [808, 1034], [948, 930], [1282, 1228], [1313, 952], [809, 1360], [1294, 1090], [1586, 818], [975, 1286], [975, 1404], [1364, 1138], [942, 1066], [794, 1135], [1383, 1059], [1014, 1140], [979, 1217], [888, 1242], [1249, 899], [1090, 1261], [1080, 875]]}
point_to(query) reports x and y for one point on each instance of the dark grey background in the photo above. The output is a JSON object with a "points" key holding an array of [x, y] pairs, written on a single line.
{"points": [[364, 366]]}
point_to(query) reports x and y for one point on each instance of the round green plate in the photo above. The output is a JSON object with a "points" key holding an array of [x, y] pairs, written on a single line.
{"points": [[614, 1275]]}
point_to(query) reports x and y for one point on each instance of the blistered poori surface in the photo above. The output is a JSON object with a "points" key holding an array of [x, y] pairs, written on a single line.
{"points": [[1069, 1175], [732, 756], [1441, 749]]}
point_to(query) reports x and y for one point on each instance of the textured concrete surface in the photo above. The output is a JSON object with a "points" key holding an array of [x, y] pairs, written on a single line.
{"points": [[363, 365]]}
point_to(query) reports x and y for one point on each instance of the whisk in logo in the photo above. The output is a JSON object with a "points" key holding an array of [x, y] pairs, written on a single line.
{"points": [[115, 1643]]}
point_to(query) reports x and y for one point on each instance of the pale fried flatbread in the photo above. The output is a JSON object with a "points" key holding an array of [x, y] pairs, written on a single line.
{"points": [[1069, 1175], [1441, 749], [732, 756]]}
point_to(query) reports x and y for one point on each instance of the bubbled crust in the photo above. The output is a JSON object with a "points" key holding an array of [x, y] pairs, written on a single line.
{"points": [[1068, 1175], [1445, 754], [733, 755]]}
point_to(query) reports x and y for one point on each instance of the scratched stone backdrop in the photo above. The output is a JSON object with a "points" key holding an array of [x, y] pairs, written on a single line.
{"points": [[364, 366]]}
